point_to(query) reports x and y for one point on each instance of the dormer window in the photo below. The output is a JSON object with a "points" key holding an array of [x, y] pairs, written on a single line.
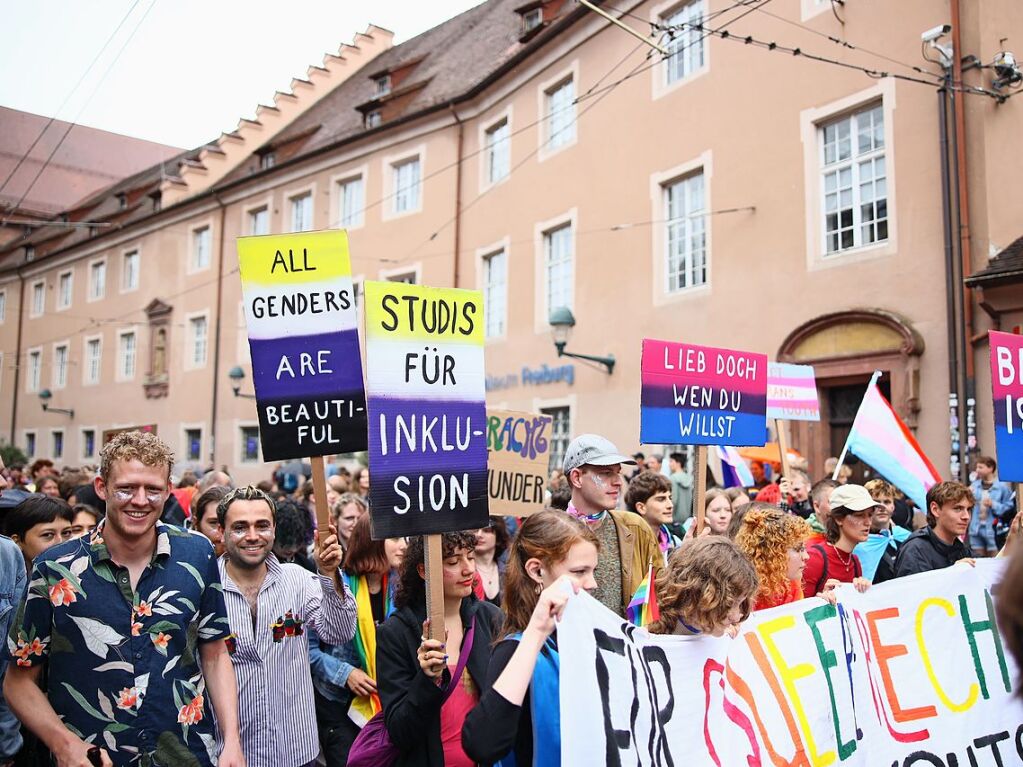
{"points": [[383, 85], [122, 201], [30, 253], [373, 118], [157, 198], [267, 161], [532, 19]]}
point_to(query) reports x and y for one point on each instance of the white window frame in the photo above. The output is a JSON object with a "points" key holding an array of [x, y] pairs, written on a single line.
{"points": [[125, 254], [660, 86], [55, 382], [53, 444], [193, 230], [81, 443], [482, 256], [35, 439], [388, 275], [190, 362], [543, 135], [484, 164], [185, 428], [309, 190], [3, 306], [86, 379], [388, 169], [810, 121], [336, 182], [92, 293], [810, 8], [31, 387], [119, 374], [245, 225], [374, 118], [541, 318], [58, 301], [659, 181], [32, 309], [569, 401], [240, 452]]}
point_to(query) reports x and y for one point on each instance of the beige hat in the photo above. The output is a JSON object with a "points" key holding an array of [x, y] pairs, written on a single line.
{"points": [[852, 497]]}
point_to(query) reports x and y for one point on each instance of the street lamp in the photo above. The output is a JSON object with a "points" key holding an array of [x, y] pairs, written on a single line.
{"points": [[45, 395], [562, 321], [237, 375]]}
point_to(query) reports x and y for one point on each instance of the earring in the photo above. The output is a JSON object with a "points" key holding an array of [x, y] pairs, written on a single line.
{"points": [[539, 588]]}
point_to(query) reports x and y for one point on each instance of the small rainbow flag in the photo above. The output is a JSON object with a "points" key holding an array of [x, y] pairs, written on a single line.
{"points": [[642, 609]]}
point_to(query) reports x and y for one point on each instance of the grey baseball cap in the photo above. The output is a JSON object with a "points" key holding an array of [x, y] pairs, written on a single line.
{"points": [[594, 450]]}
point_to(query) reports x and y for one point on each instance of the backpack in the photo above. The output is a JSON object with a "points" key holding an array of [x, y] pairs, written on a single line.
{"points": [[824, 572]]}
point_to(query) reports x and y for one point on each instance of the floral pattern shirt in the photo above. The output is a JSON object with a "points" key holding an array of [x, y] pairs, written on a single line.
{"points": [[123, 667]]}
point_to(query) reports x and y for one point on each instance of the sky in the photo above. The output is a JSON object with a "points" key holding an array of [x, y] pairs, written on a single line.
{"points": [[180, 72]]}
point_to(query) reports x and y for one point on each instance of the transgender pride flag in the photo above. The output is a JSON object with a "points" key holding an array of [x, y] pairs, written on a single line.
{"points": [[882, 440]]}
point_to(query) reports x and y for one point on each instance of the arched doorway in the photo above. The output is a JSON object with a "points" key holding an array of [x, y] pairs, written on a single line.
{"points": [[845, 348]]}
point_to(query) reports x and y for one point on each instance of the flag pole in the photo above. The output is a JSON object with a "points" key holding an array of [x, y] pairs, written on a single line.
{"points": [[845, 449]]}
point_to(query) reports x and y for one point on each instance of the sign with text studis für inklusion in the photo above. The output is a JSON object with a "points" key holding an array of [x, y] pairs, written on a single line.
{"points": [[427, 410], [303, 338], [699, 395]]}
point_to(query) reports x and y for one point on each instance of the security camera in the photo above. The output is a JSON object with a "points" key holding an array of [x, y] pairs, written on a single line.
{"points": [[936, 33], [1007, 70]]}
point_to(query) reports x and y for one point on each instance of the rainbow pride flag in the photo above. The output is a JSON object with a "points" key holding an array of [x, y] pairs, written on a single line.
{"points": [[881, 439], [642, 609]]}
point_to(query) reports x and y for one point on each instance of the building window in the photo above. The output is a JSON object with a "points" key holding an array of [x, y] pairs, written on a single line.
{"points": [[65, 288], [686, 234], [35, 370], [200, 248], [406, 185], [249, 436], [855, 180], [193, 444], [495, 292], [409, 278], [38, 298], [374, 118], [259, 221], [498, 151], [97, 280], [130, 271], [30, 443], [267, 161], [88, 443], [351, 202], [557, 249], [126, 355], [93, 359], [532, 19], [3, 305], [561, 433], [383, 85], [57, 439], [198, 333], [560, 113], [302, 212], [30, 253], [60, 366], [686, 42]]}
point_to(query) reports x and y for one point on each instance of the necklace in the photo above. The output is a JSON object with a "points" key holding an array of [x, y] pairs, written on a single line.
{"points": [[691, 629], [838, 553]]}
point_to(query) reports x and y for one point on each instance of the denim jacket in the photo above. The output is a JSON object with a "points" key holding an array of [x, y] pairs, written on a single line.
{"points": [[1001, 503], [13, 579]]}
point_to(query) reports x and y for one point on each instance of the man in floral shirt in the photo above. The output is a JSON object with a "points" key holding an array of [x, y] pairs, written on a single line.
{"points": [[122, 619]]}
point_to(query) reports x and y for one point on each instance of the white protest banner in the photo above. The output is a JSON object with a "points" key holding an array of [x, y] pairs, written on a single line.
{"points": [[911, 673]]}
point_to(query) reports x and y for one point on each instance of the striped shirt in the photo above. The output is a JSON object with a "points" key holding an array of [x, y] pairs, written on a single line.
{"points": [[276, 713]]}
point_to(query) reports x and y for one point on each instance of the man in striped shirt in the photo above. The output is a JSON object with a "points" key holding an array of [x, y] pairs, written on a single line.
{"points": [[269, 606]]}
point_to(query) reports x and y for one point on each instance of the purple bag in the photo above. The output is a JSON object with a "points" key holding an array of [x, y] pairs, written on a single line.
{"points": [[373, 746]]}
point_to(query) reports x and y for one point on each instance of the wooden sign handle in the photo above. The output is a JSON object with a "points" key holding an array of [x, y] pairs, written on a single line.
{"points": [[320, 494], [783, 446], [434, 566], [700, 475]]}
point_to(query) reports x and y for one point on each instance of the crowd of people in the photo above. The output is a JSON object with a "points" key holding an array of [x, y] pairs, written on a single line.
{"points": [[185, 621]]}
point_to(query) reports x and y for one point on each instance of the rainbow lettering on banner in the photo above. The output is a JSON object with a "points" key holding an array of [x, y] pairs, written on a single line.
{"points": [[792, 392], [427, 409], [304, 342], [699, 395], [1007, 386]]}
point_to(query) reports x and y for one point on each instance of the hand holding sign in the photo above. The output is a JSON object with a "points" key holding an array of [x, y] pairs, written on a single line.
{"points": [[327, 552]]}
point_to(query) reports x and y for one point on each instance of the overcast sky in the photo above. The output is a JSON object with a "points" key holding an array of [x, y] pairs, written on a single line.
{"points": [[192, 68]]}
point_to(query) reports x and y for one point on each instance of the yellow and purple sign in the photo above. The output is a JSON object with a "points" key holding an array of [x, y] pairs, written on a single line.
{"points": [[427, 412], [303, 337]]}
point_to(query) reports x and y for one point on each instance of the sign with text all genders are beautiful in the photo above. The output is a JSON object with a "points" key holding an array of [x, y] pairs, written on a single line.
{"points": [[303, 337], [427, 412], [699, 395]]}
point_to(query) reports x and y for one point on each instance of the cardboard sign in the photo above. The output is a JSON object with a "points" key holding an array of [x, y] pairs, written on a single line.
{"points": [[1007, 385], [911, 673], [302, 323], [698, 395], [792, 392], [427, 414], [518, 455]]}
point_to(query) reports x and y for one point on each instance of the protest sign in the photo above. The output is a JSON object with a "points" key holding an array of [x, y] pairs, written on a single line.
{"points": [[306, 366], [1007, 385], [792, 392], [698, 395], [518, 452], [913, 672], [427, 415]]}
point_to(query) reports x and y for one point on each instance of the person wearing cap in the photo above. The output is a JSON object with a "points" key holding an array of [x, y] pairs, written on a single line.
{"points": [[628, 548], [848, 525], [940, 544]]}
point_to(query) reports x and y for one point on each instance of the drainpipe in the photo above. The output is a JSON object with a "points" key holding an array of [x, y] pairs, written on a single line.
{"points": [[216, 333], [458, 196], [17, 355]]}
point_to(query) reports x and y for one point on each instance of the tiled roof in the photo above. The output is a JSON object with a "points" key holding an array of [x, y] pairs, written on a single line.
{"points": [[1005, 267]]}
